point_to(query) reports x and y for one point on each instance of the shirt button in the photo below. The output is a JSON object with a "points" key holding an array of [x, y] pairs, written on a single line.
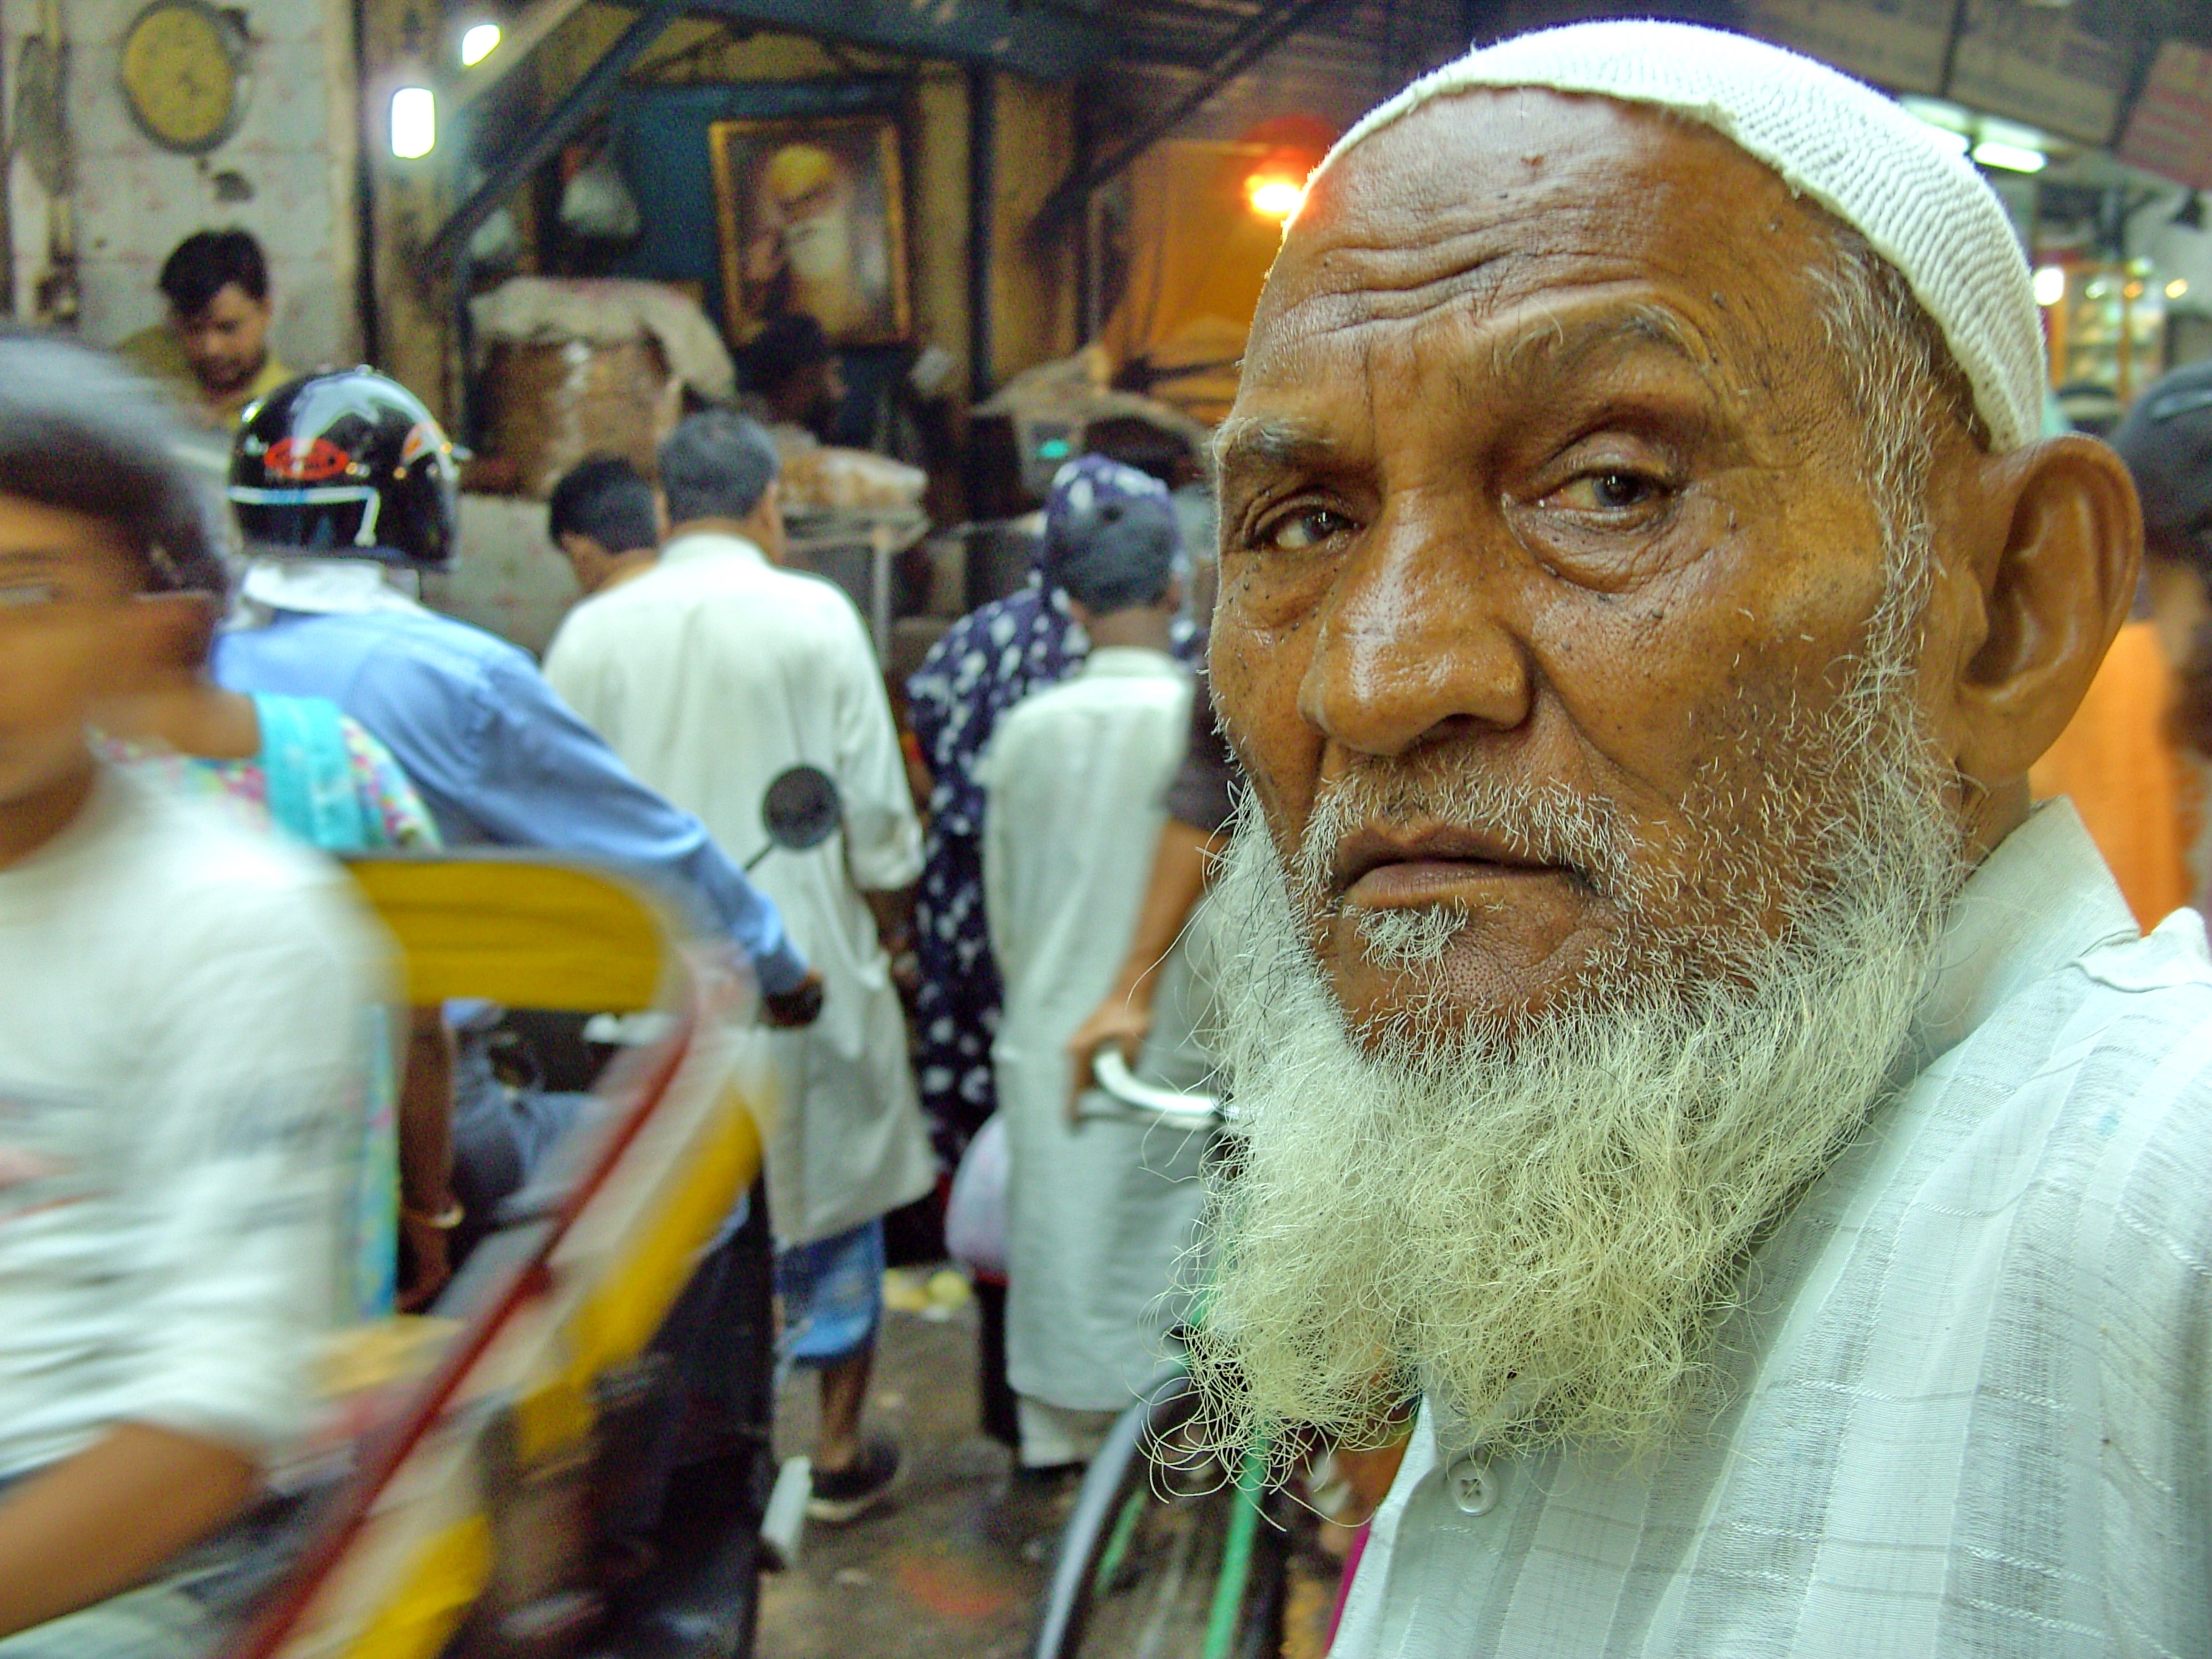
{"points": [[1473, 1486]]}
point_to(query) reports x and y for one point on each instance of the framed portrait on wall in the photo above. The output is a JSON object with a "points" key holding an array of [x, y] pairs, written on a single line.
{"points": [[812, 219]]}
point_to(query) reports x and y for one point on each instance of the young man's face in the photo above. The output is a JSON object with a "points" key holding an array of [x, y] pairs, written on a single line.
{"points": [[813, 397], [71, 635], [227, 342]]}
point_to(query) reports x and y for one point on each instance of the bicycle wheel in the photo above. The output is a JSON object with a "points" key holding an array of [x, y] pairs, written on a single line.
{"points": [[1160, 1561]]}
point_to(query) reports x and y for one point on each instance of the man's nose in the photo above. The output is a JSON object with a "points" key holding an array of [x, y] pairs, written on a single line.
{"points": [[1423, 635]]}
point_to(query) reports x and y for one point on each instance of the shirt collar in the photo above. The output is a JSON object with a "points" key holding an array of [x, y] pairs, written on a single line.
{"points": [[1128, 662], [336, 588], [711, 544], [2041, 899]]}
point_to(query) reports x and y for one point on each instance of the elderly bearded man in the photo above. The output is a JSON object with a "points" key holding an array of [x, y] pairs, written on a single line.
{"points": [[1674, 1053]]}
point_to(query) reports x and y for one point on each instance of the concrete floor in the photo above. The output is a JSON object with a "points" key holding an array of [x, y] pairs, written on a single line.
{"points": [[953, 1567]]}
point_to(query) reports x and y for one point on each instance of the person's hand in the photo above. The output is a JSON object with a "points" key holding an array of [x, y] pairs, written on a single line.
{"points": [[1123, 1020], [906, 975], [428, 1257], [795, 1009], [905, 962]]}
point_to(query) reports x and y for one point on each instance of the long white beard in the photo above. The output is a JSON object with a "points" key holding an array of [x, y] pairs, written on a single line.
{"points": [[1540, 1227]]}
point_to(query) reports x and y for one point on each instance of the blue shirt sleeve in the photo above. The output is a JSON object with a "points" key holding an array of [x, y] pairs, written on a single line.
{"points": [[497, 757], [545, 779]]}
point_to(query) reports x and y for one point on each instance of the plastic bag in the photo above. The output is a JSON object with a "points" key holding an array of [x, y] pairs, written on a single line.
{"points": [[976, 1214], [597, 203]]}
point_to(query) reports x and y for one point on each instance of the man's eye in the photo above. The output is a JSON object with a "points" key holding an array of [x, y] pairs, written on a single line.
{"points": [[1297, 532], [1610, 492]]}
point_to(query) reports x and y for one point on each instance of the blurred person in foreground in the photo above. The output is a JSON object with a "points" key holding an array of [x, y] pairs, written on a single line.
{"points": [[2166, 441], [1672, 1057], [498, 758], [711, 674], [605, 519], [1098, 1209], [214, 344], [181, 1057]]}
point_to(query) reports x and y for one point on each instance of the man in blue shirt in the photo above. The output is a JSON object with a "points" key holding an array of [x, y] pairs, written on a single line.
{"points": [[340, 482], [496, 756]]}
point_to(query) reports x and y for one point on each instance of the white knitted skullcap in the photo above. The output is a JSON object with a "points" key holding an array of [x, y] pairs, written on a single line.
{"points": [[1920, 205]]}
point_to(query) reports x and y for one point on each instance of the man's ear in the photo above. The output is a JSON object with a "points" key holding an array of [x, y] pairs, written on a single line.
{"points": [[764, 525], [2058, 587]]}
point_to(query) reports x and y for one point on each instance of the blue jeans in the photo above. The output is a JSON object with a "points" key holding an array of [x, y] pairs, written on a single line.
{"points": [[503, 1134], [833, 1295]]}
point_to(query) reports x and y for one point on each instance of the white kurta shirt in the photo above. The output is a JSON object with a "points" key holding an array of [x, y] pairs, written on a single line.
{"points": [[710, 674], [1973, 1381], [1098, 1210]]}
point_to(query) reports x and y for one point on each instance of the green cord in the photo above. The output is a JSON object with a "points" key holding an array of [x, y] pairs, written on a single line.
{"points": [[1235, 1558], [1117, 1546]]}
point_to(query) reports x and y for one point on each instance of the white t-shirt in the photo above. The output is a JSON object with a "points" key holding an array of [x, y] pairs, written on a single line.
{"points": [[181, 1070]]}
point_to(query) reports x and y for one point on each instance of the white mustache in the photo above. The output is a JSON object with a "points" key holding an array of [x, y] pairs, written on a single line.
{"points": [[1547, 824]]}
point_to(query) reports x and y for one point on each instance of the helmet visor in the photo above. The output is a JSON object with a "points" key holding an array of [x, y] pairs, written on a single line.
{"points": [[314, 518]]}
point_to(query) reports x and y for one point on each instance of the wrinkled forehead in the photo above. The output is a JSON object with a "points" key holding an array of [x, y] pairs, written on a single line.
{"points": [[1508, 201]]}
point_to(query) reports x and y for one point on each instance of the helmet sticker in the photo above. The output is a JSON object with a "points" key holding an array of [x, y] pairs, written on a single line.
{"points": [[310, 460], [344, 464], [423, 440]]}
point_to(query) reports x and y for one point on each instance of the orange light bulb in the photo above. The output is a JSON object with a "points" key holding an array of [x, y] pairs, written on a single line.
{"points": [[1274, 196]]}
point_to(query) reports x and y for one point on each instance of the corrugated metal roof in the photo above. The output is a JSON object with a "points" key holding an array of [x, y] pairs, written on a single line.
{"points": [[1353, 56], [1191, 33], [1187, 32]]}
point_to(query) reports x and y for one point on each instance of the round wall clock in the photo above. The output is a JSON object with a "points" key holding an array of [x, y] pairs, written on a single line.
{"points": [[184, 73]]}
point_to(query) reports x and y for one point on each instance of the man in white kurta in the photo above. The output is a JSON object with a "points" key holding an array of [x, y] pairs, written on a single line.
{"points": [[1675, 1060], [1098, 1208], [710, 674]]}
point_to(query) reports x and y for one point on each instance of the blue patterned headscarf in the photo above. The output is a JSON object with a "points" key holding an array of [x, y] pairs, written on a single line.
{"points": [[1111, 536]]}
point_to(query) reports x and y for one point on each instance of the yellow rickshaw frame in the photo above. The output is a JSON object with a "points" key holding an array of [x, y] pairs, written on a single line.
{"points": [[396, 1558]]}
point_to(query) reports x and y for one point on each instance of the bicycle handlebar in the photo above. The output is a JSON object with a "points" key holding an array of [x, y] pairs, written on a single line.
{"points": [[1193, 1111]]}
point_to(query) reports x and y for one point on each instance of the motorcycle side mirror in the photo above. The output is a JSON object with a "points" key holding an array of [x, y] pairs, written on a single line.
{"points": [[800, 811]]}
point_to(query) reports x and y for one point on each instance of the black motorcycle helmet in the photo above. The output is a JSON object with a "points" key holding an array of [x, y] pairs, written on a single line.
{"points": [[347, 463]]}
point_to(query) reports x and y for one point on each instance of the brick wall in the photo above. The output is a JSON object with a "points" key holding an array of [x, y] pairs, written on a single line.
{"points": [[291, 156]]}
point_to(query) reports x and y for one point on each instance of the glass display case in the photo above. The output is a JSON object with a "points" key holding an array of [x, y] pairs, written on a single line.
{"points": [[2107, 328]]}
